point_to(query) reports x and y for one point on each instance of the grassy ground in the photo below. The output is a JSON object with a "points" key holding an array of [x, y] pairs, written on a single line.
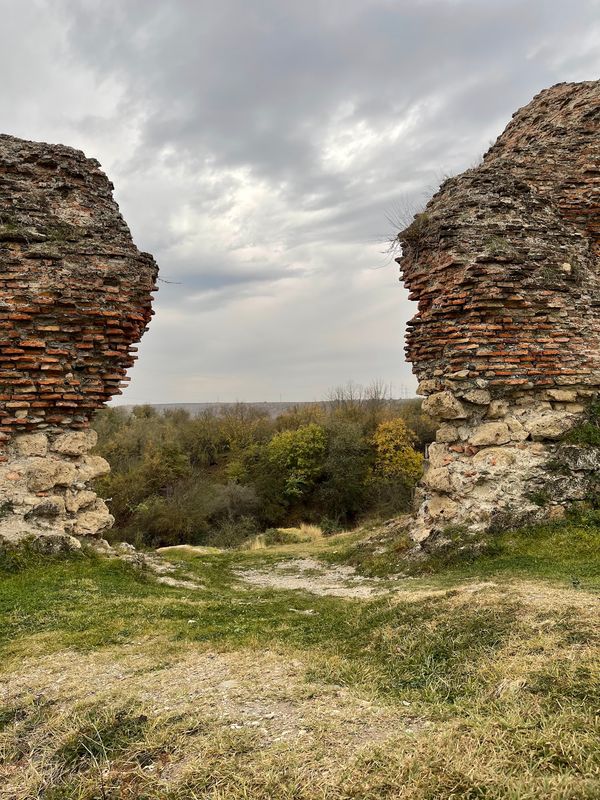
{"points": [[476, 679]]}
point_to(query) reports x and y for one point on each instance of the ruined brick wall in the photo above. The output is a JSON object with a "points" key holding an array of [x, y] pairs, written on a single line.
{"points": [[75, 294], [504, 264]]}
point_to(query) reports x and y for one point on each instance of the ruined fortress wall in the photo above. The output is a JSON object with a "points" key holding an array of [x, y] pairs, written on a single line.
{"points": [[504, 264], [75, 295]]}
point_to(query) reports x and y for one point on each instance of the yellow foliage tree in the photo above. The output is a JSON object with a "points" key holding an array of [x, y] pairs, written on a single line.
{"points": [[395, 456]]}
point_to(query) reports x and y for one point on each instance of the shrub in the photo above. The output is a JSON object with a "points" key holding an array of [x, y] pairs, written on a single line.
{"points": [[418, 233], [278, 536], [232, 533], [178, 519], [330, 526], [587, 434]]}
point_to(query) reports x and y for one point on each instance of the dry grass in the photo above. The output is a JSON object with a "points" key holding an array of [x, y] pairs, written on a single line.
{"points": [[303, 534], [166, 714], [308, 532]]}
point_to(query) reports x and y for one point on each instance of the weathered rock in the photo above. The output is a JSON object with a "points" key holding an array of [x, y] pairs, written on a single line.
{"points": [[438, 455], [48, 507], [46, 473], [575, 408], [563, 395], [442, 509], [505, 265], [92, 467], [490, 433], [93, 521], [75, 501], [491, 457], [444, 405], [577, 459], [480, 397], [497, 409], [446, 433], [550, 425], [33, 444], [75, 443], [518, 432], [427, 387], [75, 295], [439, 480]]}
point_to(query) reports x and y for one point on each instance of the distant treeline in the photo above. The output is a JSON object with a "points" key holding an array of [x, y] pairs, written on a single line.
{"points": [[226, 474]]}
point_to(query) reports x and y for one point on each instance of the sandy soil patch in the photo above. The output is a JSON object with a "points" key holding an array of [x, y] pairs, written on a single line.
{"points": [[315, 577]]}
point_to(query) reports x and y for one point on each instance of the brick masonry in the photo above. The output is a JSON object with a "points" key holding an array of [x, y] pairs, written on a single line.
{"points": [[75, 296], [504, 265]]}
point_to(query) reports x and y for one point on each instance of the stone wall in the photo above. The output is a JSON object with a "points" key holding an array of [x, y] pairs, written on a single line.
{"points": [[504, 264], [75, 295]]}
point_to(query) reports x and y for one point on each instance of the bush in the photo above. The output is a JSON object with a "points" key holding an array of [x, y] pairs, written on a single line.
{"points": [[278, 536], [587, 434], [232, 533], [343, 492], [394, 453], [182, 518], [330, 526]]}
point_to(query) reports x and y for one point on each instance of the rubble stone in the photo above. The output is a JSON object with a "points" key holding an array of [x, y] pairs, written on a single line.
{"points": [[480, 397], [549, 425], [490, 433], [444, 405], [46, 473], [76, 443], [33, 444]]}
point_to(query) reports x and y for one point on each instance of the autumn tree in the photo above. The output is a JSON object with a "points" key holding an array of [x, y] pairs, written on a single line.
{"points": [[395, 456]]}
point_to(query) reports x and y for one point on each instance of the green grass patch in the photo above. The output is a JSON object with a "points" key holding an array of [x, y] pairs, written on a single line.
{"points": [[31, 553], [101, 734], [567, 551]]}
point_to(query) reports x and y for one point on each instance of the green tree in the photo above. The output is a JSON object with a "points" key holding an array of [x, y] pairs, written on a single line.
{"points": [[343, 493], [300, 455]]}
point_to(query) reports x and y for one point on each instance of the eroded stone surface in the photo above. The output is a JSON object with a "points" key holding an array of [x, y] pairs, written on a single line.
{"points": [[504, 264], [75, 295]]}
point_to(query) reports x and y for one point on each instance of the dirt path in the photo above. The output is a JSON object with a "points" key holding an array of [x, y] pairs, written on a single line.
{"points": [[309, 575], [315, 577]]}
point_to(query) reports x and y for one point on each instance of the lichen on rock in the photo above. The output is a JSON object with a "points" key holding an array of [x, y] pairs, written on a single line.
{"points": [[504, 265], [75, 295]]}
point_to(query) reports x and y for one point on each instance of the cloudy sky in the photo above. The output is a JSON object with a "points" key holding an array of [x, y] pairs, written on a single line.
{"points": [[262, 150]]}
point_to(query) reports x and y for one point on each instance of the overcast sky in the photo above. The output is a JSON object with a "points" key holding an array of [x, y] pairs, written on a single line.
{"points": [[259, 150]]}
